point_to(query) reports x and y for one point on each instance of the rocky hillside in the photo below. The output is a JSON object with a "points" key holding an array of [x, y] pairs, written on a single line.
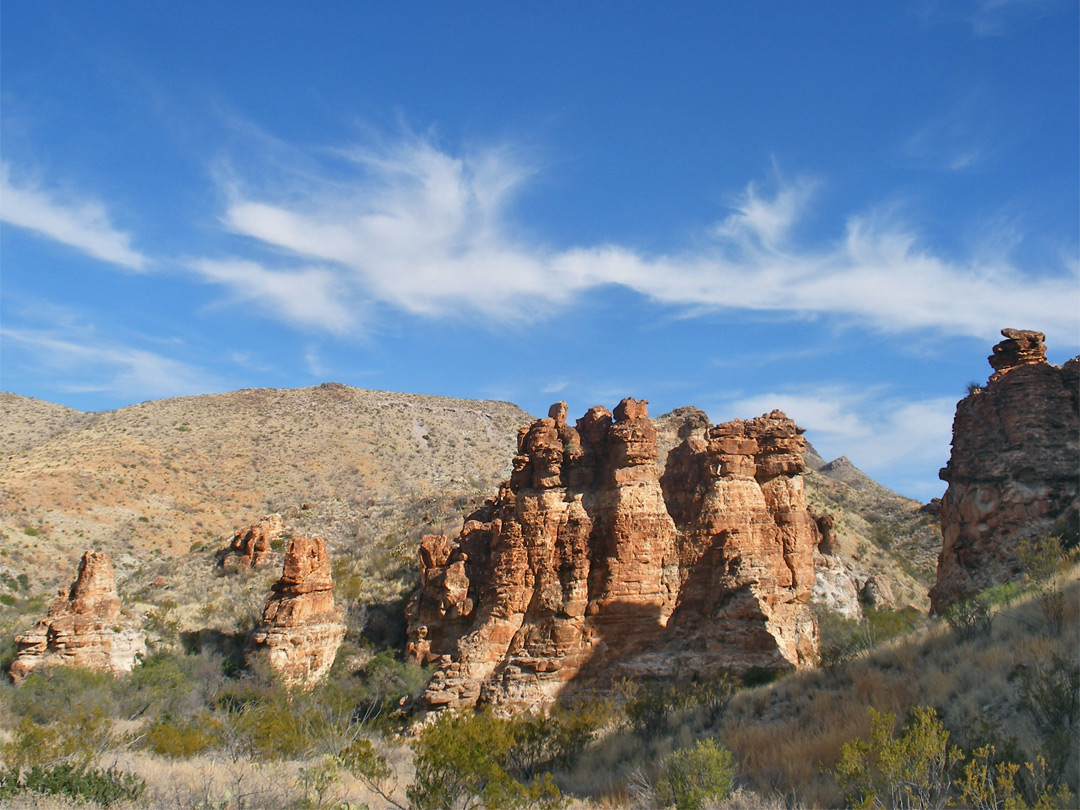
{"points": [[151, 483], [161, 486]]}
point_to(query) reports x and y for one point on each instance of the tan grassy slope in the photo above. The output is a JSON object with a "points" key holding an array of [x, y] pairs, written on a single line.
{"points": [[149, 482], [1007, 688]]}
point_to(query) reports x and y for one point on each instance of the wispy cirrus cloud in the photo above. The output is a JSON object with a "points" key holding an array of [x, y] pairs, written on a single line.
{"points": [[81, 361], [83, 224], [313, 297], [426, 232]]}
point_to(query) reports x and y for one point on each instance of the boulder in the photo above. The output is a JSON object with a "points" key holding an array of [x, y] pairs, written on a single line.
{"points": [[85, 627], [252, 546]]}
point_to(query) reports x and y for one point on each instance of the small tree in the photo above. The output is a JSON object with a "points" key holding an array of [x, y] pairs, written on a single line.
{"points": [[691, 778], [462, 763], [890, 773]]}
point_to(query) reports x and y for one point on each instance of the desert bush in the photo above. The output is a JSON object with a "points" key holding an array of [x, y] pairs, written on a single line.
{"points": [[991, 784], [969, 618], [920, 769], [183, 738], [653, 707], [104, 787], [77, 739], [910, 771], [55, 692], [552, 741], [1050, 691], [841, 639], [463, 761], [1041, 559], [692, 778]]}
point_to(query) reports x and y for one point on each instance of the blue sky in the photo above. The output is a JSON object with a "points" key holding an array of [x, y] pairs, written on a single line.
{"points": [[830, 208]]}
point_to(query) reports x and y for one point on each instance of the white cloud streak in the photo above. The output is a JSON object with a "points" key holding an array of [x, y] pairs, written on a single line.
{"points": [[86, 363], [80, 224], [310, 296], [425, 232], [885, 436]]}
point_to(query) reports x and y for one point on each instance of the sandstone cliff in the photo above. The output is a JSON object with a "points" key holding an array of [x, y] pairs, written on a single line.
{"points": [[84, 628], [301, 627], [1013, 470], [589, 565]]}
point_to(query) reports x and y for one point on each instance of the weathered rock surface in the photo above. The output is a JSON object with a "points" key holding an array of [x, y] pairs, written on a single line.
{"points": [[252, 546], [301, 627], [589, 565], [85, 627], [1013, 473]]}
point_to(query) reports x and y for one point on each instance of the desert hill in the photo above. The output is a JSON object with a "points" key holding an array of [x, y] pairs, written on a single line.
{"points": [[160, 487], [152, 482]]}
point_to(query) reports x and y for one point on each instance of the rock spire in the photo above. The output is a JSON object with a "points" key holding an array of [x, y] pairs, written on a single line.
{"points": [[589, 565], [301, 627], [85, 627], [1013, 472]]}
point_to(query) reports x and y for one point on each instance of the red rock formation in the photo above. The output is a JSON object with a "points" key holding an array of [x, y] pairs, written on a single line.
{"points": [[301, 628], [1013, 470], [252, 546], [580, 571], [84, 628]]}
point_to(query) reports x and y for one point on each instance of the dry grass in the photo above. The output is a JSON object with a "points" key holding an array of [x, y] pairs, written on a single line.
{"points": [[787, 736]]}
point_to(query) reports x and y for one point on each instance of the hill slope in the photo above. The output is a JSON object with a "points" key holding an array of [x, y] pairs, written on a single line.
{"points": [[151, 482], [160, 486]]}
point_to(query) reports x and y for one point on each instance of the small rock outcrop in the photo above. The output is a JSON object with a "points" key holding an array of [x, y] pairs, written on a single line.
{"points": [[1013, 472], [589, 565], [301, 627], [85, 627], [252, 546]]}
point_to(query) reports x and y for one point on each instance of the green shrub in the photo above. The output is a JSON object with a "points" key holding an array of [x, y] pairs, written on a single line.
{"points": [[462, 761], [990, 784], [969, 618], [653, 707], [183, 739], [74, 739], [84, 784], [692, 778], [1050, 691], [841, 639], [914, 770], [56, 692], [1041, 559], [543, 742]]}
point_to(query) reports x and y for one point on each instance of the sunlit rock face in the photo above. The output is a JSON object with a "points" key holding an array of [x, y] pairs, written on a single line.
{"points": [[85, 627], [590, 565], [1013, 472], [252, 546], [301, 627]]}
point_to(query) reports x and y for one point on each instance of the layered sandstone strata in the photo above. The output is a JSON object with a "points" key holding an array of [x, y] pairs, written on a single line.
{"points": [[85, 627], [588, 565], [1013, 472], [301, 627], [253, 546]]}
